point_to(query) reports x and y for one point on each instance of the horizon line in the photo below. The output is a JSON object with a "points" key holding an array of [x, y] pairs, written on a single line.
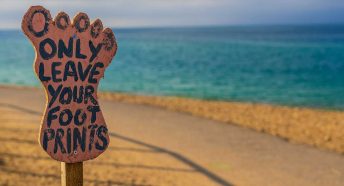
{"points": [[210, 25]]}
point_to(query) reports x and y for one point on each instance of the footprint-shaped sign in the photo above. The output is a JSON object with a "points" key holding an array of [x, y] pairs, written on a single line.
{"points": [[71, 57]]}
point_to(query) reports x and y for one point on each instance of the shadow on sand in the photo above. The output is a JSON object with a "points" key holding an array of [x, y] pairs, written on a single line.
{"points": [[151, 149]]}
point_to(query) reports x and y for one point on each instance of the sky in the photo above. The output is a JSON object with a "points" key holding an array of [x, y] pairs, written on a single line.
{"points": [[160, 13]]}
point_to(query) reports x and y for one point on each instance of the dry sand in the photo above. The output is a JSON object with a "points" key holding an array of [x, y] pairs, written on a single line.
{"points": [[152, 146], [23, 162], [320, 128]]}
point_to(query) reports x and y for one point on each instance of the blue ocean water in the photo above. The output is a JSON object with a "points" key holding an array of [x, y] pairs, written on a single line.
{"points": [[285, 65]]}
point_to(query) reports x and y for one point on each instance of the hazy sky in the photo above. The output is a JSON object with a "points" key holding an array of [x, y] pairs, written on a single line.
{"points": [[137, 13]]}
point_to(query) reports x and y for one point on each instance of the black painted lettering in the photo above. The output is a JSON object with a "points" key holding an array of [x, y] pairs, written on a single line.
{"points": [[79, 139], [48, 135], [51, 115], [66, 95], [68, 51], [53, 93], [83, 73], [89, 90], [70, 70], [77, 116], [101, 133], [94, 72], [93, 110], [69, 141], [55, 72], [58, 141], [78, 97], [41, 73], [42, 50], [92, 132], [94, 50], [78, 53], [63, 120]]}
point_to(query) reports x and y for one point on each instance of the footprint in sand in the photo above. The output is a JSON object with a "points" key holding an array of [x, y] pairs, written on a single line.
{"points": [[71, 58]]}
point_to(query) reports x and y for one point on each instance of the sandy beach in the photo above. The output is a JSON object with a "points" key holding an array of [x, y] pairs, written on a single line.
{"points": [[154, 146], [320, 128]]}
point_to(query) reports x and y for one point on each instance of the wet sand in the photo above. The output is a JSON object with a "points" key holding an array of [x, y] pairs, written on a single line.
{"points": [[154, 146]]}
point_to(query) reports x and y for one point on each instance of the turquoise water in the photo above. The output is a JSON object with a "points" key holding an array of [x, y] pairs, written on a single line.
{"points": [[287, 65]]}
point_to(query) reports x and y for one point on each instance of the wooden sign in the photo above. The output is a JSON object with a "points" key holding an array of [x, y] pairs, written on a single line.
{"points": [[71, 57]]}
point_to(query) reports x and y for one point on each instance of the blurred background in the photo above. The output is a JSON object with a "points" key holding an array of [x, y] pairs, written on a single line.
{"points": [[280, 52], [274, 66]]}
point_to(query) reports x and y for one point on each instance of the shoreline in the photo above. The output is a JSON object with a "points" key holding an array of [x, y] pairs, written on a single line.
{"points": [[317, 127]]}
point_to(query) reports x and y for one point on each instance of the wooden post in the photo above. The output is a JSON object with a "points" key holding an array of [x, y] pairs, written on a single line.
{"points": [[71, 174], [90, 51]]}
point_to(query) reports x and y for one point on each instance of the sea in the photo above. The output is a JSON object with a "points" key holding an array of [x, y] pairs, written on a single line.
{"points": [[293, 65]]}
